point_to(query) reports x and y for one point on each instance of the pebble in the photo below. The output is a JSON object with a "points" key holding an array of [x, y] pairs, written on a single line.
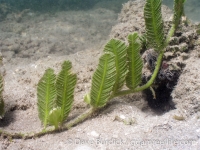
{"points": [[94, 134]]}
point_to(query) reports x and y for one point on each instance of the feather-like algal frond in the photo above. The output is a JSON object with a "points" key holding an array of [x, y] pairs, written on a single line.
{"points": [[119, 49], [2, 111], [154, 24], [103, 80], [65, 85], [46, 95], [178, 12], [135, 63]]}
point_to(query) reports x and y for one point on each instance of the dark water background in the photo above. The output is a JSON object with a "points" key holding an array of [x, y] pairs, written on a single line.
{"points": [[192, 6]]}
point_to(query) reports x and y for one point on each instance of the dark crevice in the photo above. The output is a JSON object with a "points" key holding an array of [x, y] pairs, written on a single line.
{"points": [[163, 86]]}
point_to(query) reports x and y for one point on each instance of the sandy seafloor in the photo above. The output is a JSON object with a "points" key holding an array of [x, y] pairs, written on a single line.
{"points": [[39, 41]]}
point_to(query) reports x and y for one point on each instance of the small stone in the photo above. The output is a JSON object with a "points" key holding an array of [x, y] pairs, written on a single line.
{"points": [[198, 130], [122, 117], [94, 134], [83, 147], [115, 136]]}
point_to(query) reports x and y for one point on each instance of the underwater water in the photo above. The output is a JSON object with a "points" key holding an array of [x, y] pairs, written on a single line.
{"points": [[192, 7], [43, 5], [62, 27]]}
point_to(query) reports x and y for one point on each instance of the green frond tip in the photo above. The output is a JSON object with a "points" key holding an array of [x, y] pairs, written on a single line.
{"points": [[65, 85], [135, 63], [46, 95], [154, 24], [103, 80], [178, 12], [55, 117], [87, 98], [119, 49], [2, 111]]}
